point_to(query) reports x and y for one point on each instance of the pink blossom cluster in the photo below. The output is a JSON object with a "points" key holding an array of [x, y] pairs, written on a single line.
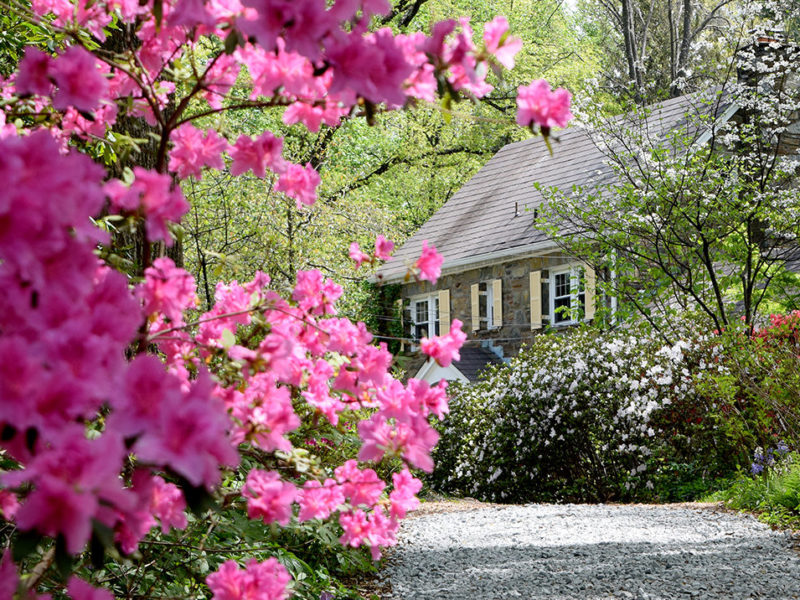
{"points": [[383, 251], [267, 580], [107, 406], [66, 321], [444, 348], [537, 104]]}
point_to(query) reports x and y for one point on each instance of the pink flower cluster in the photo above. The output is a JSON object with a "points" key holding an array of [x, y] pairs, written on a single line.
{"points": [[383, 251], [429, 265], [77, 338], [537, 104], [444, 349], [79, 83], [267, 580], [67, 321]]}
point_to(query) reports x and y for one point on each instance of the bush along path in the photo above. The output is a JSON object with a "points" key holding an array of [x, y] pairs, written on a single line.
{"points": [[548, 552]]}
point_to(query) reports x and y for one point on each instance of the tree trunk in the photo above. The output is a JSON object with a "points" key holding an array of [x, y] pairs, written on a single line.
{"points": [[683, 56]]}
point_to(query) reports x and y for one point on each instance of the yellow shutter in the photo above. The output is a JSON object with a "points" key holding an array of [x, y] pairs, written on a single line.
{"points": [[476, 318], [536, 299], [444, 312], [497, 302], [589, 291]]}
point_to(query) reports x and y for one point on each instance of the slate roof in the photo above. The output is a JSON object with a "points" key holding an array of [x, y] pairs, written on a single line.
{"points": [[479, 220], [475, 359]]}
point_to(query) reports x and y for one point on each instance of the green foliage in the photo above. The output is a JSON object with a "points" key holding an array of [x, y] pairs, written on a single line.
{"points": [[774, 495], [757, 395]]}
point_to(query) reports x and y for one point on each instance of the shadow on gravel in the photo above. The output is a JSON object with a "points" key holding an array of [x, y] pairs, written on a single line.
{"points": [[593, 571]]}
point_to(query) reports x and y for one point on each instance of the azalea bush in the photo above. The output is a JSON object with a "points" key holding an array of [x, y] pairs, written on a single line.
{"points": [[758, 394], [146, 444], [582, 416]]}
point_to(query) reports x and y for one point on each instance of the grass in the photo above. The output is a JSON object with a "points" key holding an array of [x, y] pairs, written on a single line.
{"points": [[773, 496]]}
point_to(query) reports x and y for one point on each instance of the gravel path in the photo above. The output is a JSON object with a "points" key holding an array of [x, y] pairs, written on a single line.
{"points": [[591, 552]]}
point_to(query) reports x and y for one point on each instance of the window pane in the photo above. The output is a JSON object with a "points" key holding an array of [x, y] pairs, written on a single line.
{"points": [[435, 315], [422, 312], [483, 308], [562, 284], [565, 306]]}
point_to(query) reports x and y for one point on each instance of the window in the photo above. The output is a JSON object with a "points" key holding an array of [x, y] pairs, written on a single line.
{"points": [[485, 305], [487, 308], [424, 316], [566, 295]]}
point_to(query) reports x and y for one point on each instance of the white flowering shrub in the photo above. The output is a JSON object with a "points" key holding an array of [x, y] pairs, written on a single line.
{"points": [[587, 415]]}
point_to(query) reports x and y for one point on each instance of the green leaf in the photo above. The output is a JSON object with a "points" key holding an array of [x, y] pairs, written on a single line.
{"points": [[24, 544], [64, 561]]}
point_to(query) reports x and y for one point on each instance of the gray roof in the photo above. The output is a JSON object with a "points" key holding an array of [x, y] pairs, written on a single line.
{"points": [[475, 359], [479, 221]]}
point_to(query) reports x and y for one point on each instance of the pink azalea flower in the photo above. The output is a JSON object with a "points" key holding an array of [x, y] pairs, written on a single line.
{"points": [[268, 497], [308, 114], [9, 580], [498, 43], [383, 248], [315, 294], [429, 264], [318, 501], [403, 497], [78, 589], [152, 194], [265, 414], [168, 504], [359, 486], [167, 289], [33, 75], [412, 438], [265, 580], [8, 505], [429, 399], [372, 67], [220, 79], [300, 183], [257, 155], [80, 83], [192, 151], [358, 255], [537, 103], [372, 364], [191, 437], [444, 348]]}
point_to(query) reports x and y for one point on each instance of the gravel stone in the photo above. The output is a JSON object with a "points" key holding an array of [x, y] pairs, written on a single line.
{"points": [[591, 552]]}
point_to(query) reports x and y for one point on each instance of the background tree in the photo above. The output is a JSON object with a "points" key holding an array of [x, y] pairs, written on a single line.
{"points": [[698, 213]]}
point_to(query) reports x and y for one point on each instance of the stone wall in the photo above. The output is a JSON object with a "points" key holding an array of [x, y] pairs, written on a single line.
{"points": [[516, 329]]}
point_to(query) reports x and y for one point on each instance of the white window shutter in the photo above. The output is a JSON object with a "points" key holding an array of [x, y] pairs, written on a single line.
{"points": [[476, 317], [444, 312], [497, 302], [536, 299], [589, 293]]}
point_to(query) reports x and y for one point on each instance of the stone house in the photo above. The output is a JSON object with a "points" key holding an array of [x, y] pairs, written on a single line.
{"points": [[503, 278]]}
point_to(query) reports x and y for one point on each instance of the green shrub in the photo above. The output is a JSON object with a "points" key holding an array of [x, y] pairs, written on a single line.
{"points": [[774, 494]]}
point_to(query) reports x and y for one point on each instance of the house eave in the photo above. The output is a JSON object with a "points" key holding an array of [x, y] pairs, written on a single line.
{"points": [[482, 260]]}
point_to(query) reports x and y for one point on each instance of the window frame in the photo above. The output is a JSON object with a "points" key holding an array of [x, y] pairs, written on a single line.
{"points": [[577, 293], [486, 323], [434, 315]]}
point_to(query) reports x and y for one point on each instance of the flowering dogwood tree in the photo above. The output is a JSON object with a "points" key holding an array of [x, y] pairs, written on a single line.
{"points": [[119, 402]]}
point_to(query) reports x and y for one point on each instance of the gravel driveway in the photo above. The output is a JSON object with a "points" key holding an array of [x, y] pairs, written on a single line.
{"points": [[591, 552]]}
